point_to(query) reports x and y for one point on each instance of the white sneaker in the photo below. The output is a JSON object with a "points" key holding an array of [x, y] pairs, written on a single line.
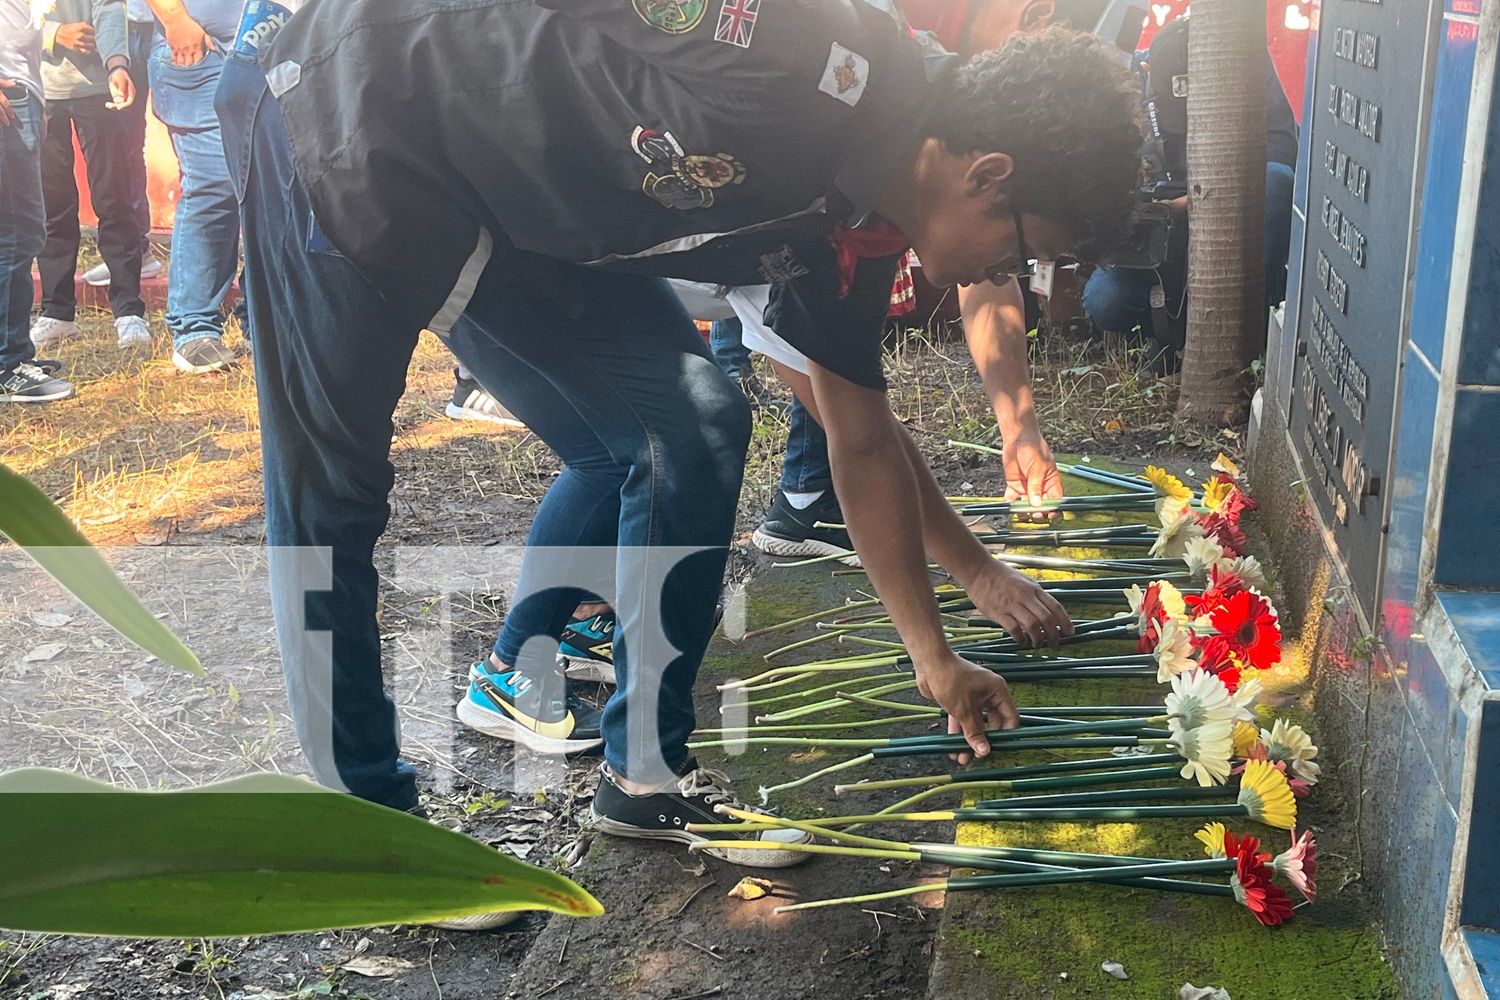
{"points": [[47, 332], [132, 331], [98, 275]]}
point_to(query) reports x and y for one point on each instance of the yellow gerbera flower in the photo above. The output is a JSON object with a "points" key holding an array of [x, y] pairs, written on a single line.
{"points": [[1212, 836], [1168, 485], [1215, 493], [1266, 795], [1246, 739]]}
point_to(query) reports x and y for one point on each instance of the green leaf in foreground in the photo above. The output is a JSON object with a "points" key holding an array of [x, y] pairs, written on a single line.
{"points": [[263, 854], [30, 519]]}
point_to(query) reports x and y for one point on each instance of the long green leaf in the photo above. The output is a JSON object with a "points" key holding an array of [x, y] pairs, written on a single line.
{"points": [[207, 862], [30, 519]]}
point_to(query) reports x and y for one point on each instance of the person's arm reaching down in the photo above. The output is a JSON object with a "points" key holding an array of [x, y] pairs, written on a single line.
{"points": [[995, 327], [895, 512]]}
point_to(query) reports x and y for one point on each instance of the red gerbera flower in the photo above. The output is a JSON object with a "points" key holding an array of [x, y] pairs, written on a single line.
{"points": [[1222, 584], [1252, 880], [1221, 529], [1249, 628]]}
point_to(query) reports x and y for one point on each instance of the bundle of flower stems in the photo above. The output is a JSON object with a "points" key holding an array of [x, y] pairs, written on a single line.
{"points": [[1197, 640]]}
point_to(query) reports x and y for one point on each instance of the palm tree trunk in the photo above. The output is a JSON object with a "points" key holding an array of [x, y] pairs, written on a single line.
{"points": [[1226, 152]]}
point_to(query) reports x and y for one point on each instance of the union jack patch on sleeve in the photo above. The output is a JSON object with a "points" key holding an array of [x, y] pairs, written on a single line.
{"points": [[737, 22]]}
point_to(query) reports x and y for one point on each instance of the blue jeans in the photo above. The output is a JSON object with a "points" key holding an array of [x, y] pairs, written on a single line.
{"points": [[805, 469], [725, 336], [1119, 299], [23, 227], [206, 235], [607, 369]]}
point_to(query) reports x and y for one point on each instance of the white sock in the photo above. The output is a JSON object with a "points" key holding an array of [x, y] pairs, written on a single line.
{"points": [[802, 501], [464, 372]]}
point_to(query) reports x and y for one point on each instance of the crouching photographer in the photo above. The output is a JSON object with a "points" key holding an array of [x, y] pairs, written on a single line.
{"points": [[1151, 293]]}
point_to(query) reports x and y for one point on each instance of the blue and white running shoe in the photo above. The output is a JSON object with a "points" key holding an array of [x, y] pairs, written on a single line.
{"points": [[539, 713]]}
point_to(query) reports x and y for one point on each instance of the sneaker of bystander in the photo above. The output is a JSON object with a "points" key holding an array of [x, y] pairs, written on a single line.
{"points": [[26, 383], [132, 331], [47, 332]]}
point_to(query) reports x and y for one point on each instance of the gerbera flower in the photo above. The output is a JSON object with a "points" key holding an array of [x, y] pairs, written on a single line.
{"points": [[1224, 465], [1244, 700], [1155, 604], [1252, 884], [1175, 535], [1201, 555], [1224, 531], [1198, 699], [1248, 569], [1291, 745], [1212, 836], [1248, 623], [1168, 485], [1266, 796], [1215, 493], [1247, 742], [1222, 585], [1206, 751], [1174, 651], [1300, 864]]}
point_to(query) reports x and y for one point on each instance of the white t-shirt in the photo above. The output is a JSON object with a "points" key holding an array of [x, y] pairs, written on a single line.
{"points": [[21, 43]]}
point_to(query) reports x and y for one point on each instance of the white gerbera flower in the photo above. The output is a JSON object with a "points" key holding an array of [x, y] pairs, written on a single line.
{"points": [[1206, 750], [1249, 569], [1198, 699], [1291, 744], [1202, 554], [1174, 651], [1170, 509], [1244, 699], [1174, 537]]}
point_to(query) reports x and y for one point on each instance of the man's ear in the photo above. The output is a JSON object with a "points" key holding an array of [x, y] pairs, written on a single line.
{"points": [[1037, 14], [988, 171]]}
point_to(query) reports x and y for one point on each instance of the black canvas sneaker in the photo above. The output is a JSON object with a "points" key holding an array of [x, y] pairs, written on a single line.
{"points": [[26, 383], [788, 531], [664, 815], [541, 714]]}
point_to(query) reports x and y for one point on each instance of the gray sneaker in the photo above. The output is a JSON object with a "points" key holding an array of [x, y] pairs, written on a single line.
{"points": [[471, 402], [26, 383], [205, 354], [98, 275]]}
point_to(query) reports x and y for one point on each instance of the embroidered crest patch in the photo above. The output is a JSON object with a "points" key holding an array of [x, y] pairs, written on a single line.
{"points": [[675, 17], [682, 180], [845, 76], [737, 22]]}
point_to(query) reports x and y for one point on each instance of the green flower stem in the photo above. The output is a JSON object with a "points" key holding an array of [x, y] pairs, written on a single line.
{"points": [[1020, 665], [1133, 483], [1093, 711], [863, 661], [1028, 732], [1061, 781], [1114, 796], [783, 682], [1207, 866], [766, 793], [867, 641], [1073, 674], [1133, 814], [1072, 743], [793, 623], [823, 727], [812, 641], [1108, 766], [846, 682], [848, 852], [856, 699], [822, 706]]}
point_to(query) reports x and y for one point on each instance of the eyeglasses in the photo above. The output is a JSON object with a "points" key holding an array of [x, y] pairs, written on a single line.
{"points": [[1023, 255]]}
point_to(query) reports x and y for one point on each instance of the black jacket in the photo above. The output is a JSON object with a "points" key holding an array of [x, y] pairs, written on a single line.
{"points": [[657, 136]]}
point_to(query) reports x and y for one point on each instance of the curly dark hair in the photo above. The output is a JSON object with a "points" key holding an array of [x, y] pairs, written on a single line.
{"points": [[1062, 106]]}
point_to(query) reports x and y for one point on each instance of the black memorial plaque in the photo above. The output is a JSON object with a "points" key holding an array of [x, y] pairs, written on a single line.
{"points": [[1360, 135]]}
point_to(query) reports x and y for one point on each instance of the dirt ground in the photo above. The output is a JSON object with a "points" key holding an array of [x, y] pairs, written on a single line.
{"points": [[164, 468]]}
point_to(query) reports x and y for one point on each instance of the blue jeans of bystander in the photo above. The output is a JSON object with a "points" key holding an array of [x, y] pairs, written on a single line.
{"points": [[23, 225]]}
